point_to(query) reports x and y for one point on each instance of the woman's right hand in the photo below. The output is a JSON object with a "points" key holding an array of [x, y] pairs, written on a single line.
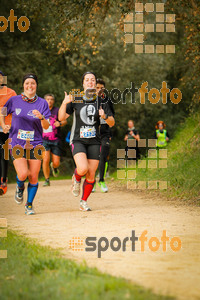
{"points": [[6, 128], [68, 99]]}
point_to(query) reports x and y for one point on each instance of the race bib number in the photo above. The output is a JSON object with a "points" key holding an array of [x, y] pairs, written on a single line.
{"points": [[50, 129], [88, 132], [25, 135]]}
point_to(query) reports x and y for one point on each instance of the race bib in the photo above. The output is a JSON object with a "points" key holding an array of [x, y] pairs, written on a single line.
{"points": [[25, 135], [87, 132], [50, 129]]}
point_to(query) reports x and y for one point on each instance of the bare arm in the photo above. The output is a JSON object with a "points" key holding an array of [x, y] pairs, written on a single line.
{"points": [[5, 127], [62, 115], [137, 137], [44, 122], [126, 137], [110, 120], [60, 123]]}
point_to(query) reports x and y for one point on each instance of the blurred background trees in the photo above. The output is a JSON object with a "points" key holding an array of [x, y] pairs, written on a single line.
{"points": [[67, 38]]}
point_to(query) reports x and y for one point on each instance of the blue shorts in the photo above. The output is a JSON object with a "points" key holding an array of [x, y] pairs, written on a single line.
{"points": [[52, 146]]}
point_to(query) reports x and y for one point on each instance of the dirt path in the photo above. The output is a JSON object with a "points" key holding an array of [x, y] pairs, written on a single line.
{"points": [[116, 214]]}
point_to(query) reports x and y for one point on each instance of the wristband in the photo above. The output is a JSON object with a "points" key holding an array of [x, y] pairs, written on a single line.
{"points": [[106, 117], [43, 117], [60, 122]]}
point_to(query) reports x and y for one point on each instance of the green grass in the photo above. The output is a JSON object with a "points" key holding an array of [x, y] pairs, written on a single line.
{"points": [[183, 169], [35, 272]]}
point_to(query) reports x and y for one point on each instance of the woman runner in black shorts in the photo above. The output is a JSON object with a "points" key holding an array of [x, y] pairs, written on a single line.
{"points": [[85, 138]]}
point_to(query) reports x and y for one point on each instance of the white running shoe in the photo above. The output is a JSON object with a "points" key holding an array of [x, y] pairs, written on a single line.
{"points": [[19, 195], [103, 186], [76, 186], [29, 210], [84, 206]]}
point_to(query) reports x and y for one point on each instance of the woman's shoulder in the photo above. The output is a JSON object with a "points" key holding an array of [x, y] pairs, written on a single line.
{"points": [[42, 101]]}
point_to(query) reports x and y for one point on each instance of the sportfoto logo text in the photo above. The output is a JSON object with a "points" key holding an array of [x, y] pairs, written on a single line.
{"points": [[116, 244]]}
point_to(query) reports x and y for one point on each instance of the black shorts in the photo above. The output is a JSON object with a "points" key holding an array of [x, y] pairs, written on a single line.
{"points": [[33, 154], [52, 146], [91, 151]]}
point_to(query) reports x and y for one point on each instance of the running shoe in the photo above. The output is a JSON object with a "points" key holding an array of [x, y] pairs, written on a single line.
{"points": [[46, 183], [3, 188], [94, 188], [19, 195], [76, 185], [29, 209], [84, 206], [103, 186], [55, 171]]}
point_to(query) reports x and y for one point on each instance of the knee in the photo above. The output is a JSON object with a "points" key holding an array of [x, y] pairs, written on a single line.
{"points": [[33, 178], [90, 175], [82, 170], [22, 176], [56, 163]]}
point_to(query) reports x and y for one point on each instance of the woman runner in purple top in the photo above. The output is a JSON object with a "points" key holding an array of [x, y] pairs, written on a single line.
{"points": [[29, 117]]}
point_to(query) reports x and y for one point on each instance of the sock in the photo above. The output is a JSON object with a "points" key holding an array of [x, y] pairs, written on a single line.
{"points": [[77, 176], [32, 190], [20, 183], [87, 189], [106, 168]]}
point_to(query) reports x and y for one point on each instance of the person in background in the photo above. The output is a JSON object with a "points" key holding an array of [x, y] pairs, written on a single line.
{"points": [[161, 135], [51, 141], [132, 134], [5, 94], [106, 135]]}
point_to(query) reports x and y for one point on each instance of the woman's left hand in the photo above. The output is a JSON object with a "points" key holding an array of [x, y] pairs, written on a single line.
{"points": [[37, 114]]}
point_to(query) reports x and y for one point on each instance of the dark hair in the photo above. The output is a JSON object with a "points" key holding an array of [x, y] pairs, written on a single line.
{"points": [[101, 81], [30, 75], [88, 73], [49, 95]]}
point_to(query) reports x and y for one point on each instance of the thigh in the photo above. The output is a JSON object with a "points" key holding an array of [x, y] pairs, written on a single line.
{"points": [[21, 167], [55, 148], [93, 152], [105, 147], [55, 158], [78, 148], [92, 167], [81, 162], [46, 156], [46, 145], [34, 167]]}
